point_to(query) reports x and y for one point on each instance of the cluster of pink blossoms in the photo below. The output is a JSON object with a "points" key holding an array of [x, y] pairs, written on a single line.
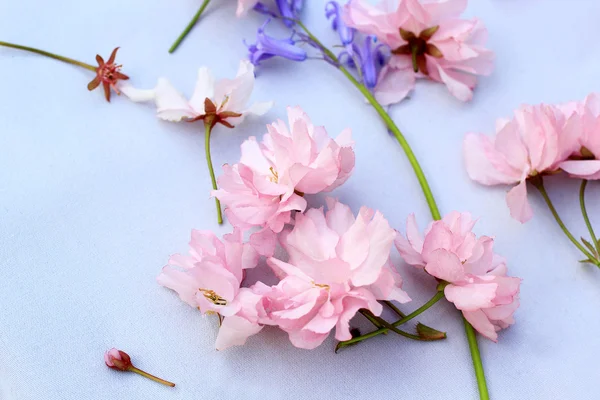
{"points": [[427, 40], [336, 263], [477, 281], [540, 140]]}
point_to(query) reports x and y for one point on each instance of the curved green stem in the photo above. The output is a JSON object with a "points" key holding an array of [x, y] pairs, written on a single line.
{"points": [[538, 182], [150, 376], [435, 213], [207, 131], [595, 242], [51, 55], [477, 364], [438, 296], [189, 27]]}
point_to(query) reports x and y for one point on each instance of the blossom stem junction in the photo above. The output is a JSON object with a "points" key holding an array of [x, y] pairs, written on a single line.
{"points": [[189, 27], [51, 55]]}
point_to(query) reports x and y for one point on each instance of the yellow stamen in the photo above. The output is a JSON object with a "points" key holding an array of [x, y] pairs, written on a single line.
{"points": [[214, 298], [275, 177]]}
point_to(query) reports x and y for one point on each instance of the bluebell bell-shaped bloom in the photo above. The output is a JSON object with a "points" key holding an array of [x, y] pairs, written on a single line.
{"points": [[367, 56], [288, 9], [333, 12], [267, 47]]}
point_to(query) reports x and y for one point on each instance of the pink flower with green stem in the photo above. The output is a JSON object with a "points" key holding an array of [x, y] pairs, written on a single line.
{"points": [[540, 141], [223, 102]]}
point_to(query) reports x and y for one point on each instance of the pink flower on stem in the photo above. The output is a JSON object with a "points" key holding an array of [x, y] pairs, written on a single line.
{"points": [[210, 277], [272, 176], [533, 143], [477, 279], [120, 361], [428, 40], [583, 128], [338, 264]]}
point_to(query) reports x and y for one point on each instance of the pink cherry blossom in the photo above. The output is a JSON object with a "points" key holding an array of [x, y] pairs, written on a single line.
{"points": [[428, 40], [583, 128], [478, 284], [533, 143], [272, 176], [226, 98], [338, 264], [209, 278]]}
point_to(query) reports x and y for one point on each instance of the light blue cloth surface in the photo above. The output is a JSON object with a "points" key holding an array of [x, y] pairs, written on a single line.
{"points": [[94, 197]]}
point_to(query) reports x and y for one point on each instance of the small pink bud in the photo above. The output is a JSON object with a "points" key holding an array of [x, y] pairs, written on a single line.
{"points": [[117, 359], [120, 361]]}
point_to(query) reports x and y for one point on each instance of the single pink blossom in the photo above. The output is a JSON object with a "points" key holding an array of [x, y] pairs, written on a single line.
{"points": [[272, 176], [338, 264], [210, 277], [533, 143], [583, 129], [224, 101], [478, 284], [428, 40]]}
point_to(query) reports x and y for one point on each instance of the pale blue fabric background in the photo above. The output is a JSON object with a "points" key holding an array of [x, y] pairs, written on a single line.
{"points": [[94, 197]]}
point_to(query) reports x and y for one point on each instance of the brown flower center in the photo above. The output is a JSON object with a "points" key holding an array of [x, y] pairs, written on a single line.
{"points": [[418, 46]]}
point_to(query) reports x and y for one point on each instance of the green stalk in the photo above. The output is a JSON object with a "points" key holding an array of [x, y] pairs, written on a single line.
{"points": [[435, 213], [207, 131], [150, 376], [538, 182], [586, 217], [477, 364], [48, 54], [189, 27]]}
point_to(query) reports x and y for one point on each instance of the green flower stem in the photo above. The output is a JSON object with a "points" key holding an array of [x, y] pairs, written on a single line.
{"points": [[189, 27], [435, 213], [586, 217], [368, 315], [538, 182], [150, 376], [395, 309], [477, 364], [51, 55], [438, 296], [207, 131]]}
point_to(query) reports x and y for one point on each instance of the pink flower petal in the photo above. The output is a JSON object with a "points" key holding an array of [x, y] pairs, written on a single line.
{"points": [[517, 202]]}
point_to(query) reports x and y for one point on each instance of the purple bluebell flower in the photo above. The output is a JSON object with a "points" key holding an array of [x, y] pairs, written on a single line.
{"points": [[333, 9], [367, 57], [289, 10], [267, 47]]}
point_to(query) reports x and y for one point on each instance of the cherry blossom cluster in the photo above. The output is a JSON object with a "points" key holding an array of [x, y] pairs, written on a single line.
{"points": [[336, 263]]}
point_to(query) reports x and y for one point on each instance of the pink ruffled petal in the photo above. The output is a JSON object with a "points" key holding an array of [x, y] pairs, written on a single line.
{"points": [[517, 202]]}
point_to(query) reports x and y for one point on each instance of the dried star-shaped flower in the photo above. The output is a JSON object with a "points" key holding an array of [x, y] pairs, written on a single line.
{"points": [[418, 46], [213, 115], [108, 74]]}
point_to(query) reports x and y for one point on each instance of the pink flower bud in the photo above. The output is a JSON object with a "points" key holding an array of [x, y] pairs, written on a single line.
{"points": [[117, 359]]}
